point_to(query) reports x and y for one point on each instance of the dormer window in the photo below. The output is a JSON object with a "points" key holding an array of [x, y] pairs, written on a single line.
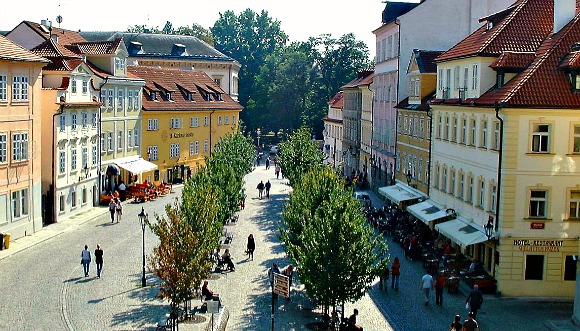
{"points": [[190, 96], [119, 63], [489, 25], [574, 81], [219, 97], [500, 79], [153, 96], [168, 96]]}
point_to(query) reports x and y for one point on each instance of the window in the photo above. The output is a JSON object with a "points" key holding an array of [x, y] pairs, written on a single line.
{"points": [[130, 100], [94, 120], [440, 127], [73, 117], [136, 105], [19, 147], [110, 141], [464, 131], [456, 77], [446, 127], [85, 86], [84, 119], [538, 203], [570, 267], [73, 85], [440, 80], [84, 195], [3, 148], [176, 123], [129, 138], [465, 77], [119, 64], [137, 140], [174, 150], [84, 157], [73, 198], [205, 146], [111, 99], [495, 143], [152, 153], [94, 158], [219, 120], [576, 139], [436, 183], [493, 199], [454, 130], [3, 88], [73, 159], [481, 194], [205, 120], [196, 147], [461, 189], [20, 203], [120, 99], [191, 148], [474, 76], [422, 128], [194, 122], [61, 123], [452, 182], [470, 190], [233, 119], [103, 146], [152, 124], [473, 131], [483, 142], [61, 162], [540, 138], [227, 120], [534, 267], [444, 180], [61, 203], [574, 204], [119, 139]]}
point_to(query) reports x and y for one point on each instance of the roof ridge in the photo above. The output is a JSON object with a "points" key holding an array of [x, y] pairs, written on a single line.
{"points": [[503, 25]]}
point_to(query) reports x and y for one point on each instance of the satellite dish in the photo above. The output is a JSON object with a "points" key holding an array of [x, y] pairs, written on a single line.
{"points": [[59, 19]]}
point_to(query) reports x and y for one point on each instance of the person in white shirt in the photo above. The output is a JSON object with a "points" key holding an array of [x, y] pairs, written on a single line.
{"points": [[426, 286]]}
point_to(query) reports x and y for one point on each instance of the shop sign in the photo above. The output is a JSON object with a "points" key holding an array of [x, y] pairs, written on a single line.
{"points": [[537, 225], [530, 245]]}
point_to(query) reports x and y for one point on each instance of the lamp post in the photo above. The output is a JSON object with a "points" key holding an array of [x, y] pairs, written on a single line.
{"points": [[258, 133], [143, 220], [489, 228]]}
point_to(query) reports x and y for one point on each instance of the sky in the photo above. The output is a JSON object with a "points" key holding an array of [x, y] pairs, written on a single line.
{"points": [[300, 19]]}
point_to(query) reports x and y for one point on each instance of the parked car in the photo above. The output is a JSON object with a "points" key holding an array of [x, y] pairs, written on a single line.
{"points": [[364, 199]]}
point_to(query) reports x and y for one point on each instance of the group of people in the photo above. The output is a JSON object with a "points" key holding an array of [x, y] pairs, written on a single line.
{"points": [[115, 209], [261, 187], [288, 272], [86, 260]]}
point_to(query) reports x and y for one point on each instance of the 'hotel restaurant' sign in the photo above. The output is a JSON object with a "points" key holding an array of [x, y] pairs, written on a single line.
{"points": [[527, 245]]}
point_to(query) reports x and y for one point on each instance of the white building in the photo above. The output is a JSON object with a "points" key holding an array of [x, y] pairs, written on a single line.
{"points": [[333, 131]]}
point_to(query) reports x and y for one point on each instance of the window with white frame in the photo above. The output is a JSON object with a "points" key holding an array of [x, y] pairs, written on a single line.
{"points": [[454, 130], [130, 138], [120, 99], [194, 122], [474, 76], [493, 198], [175, 123], [495, 145], [206, 121], [94, 120], [422, 128], [119, 63], [61, 122], [110, 141], [152, 153], [446, 127], [574, 204], [85, 85], [191, 148], [3, 148], [440, 126], [473, 132], [219, 120], [174, 150], [61, 203], [84, 157], [61, 162], [136, 135], [464, 131], [94, 158], [152, 124], [576, 138], [20, 203], [130, 100], [451, 182], [440, 80], [19, 146], [406, 125], [103, 145], [483, 142], [73, 158], [470, 189], [3, 88], [136, 105], [234, 119], [456, 78], [481, 201], [84, 119], [444, 180], [227, 120], [205, 146], [538, 203], [119, 139], [461, 186], [111, 99], [465, 77], [196, 147], [541, 138], [73, 85], [73, 117], [20, 88]]}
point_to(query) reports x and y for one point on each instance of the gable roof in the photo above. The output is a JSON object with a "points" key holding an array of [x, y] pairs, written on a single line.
{"points": [[394, 9], [426, 60], [337, 101], [64, 36], [520, 28], [363, 78], [181, 83], [152, 45], [61, 58], [14, 52], [96, 47]]}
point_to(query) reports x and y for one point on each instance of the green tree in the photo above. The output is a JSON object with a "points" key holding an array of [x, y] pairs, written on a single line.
{"points": [[299, 155], [337, 254]]}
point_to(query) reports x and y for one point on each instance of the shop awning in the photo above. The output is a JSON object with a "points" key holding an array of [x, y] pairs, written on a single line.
{"points": [[135, 164], [426, 212], [397, 193], [461, 232]]}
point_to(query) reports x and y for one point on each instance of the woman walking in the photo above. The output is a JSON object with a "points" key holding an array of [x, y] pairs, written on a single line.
{"points": [[396, 272], [119, 210], [251, 246]]}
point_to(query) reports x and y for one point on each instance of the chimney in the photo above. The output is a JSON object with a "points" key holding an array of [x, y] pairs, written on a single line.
{"points": [[564, 12]]}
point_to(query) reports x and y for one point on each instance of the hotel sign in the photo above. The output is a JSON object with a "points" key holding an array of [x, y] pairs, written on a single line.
{"points": [[529, 245]]}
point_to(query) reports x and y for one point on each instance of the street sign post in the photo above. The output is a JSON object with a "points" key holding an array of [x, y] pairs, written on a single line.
{"points": [[282, 285]]}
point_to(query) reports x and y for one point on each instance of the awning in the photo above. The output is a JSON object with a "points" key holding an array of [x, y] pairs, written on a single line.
{"points": [[397, 193], [426, 212], [461, 233], [135, 164]]}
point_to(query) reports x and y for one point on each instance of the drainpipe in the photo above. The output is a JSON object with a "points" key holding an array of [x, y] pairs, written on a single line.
{"points": [[99, 147], [397, 22], [500, 157]]}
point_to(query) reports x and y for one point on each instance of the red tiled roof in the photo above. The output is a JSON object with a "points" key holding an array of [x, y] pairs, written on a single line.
{"points": [[65, 37], [14, 52], [572, 60], [52, 49], [329, 119], [337, 101], [542, 84], [363, 78], [512, 60], [522, 28], [96, 47], [171, 79]]}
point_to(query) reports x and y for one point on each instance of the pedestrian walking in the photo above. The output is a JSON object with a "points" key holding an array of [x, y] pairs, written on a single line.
{"points": [[470, 324], [99, 260], [260, 188], [112, 209], [277, 171], [118, 210], [475, 299], [268, 186], [456, 324], [250, 246], [122, 190], [384, 278], [243, 199], [439, 286], [426, 286], [289, 272], [395, 272], [271, 272], [267, 163], [86, 260]]}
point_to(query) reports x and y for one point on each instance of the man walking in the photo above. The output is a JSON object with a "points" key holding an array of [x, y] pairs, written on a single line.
{"points": [[470, 324], [86, 260], [426, 286], [439, 286], [277, 171], [273, 270], [99, 260], [267, 163], [475, 299], [268, 186], [260, 188]]}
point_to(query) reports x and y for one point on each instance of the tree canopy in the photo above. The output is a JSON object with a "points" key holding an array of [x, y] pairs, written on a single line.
{"points": [[299, 155]]}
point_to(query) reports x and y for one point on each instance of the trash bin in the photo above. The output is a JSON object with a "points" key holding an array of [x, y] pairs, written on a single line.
{"points": [[1, 241], [7, 240]]}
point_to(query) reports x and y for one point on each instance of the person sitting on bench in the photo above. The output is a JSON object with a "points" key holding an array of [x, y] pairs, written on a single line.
{"points": [[218, 258], [208, 294], [227, 258]]}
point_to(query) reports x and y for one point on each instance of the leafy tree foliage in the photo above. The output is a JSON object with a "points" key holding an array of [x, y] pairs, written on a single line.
{"points": [[299, 155], [337, 254]]}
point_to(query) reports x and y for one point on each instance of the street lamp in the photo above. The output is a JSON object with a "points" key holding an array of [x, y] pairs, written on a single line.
{"points": [[489, 228], [258, 133], [143, 220]]}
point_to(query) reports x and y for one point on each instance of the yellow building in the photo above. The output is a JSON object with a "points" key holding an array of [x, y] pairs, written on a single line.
{"points": [[20, 139], [185, 113]]}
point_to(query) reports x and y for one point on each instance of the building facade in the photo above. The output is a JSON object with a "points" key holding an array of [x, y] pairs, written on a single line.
{"points": [[20, 139], [333, 132]]}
